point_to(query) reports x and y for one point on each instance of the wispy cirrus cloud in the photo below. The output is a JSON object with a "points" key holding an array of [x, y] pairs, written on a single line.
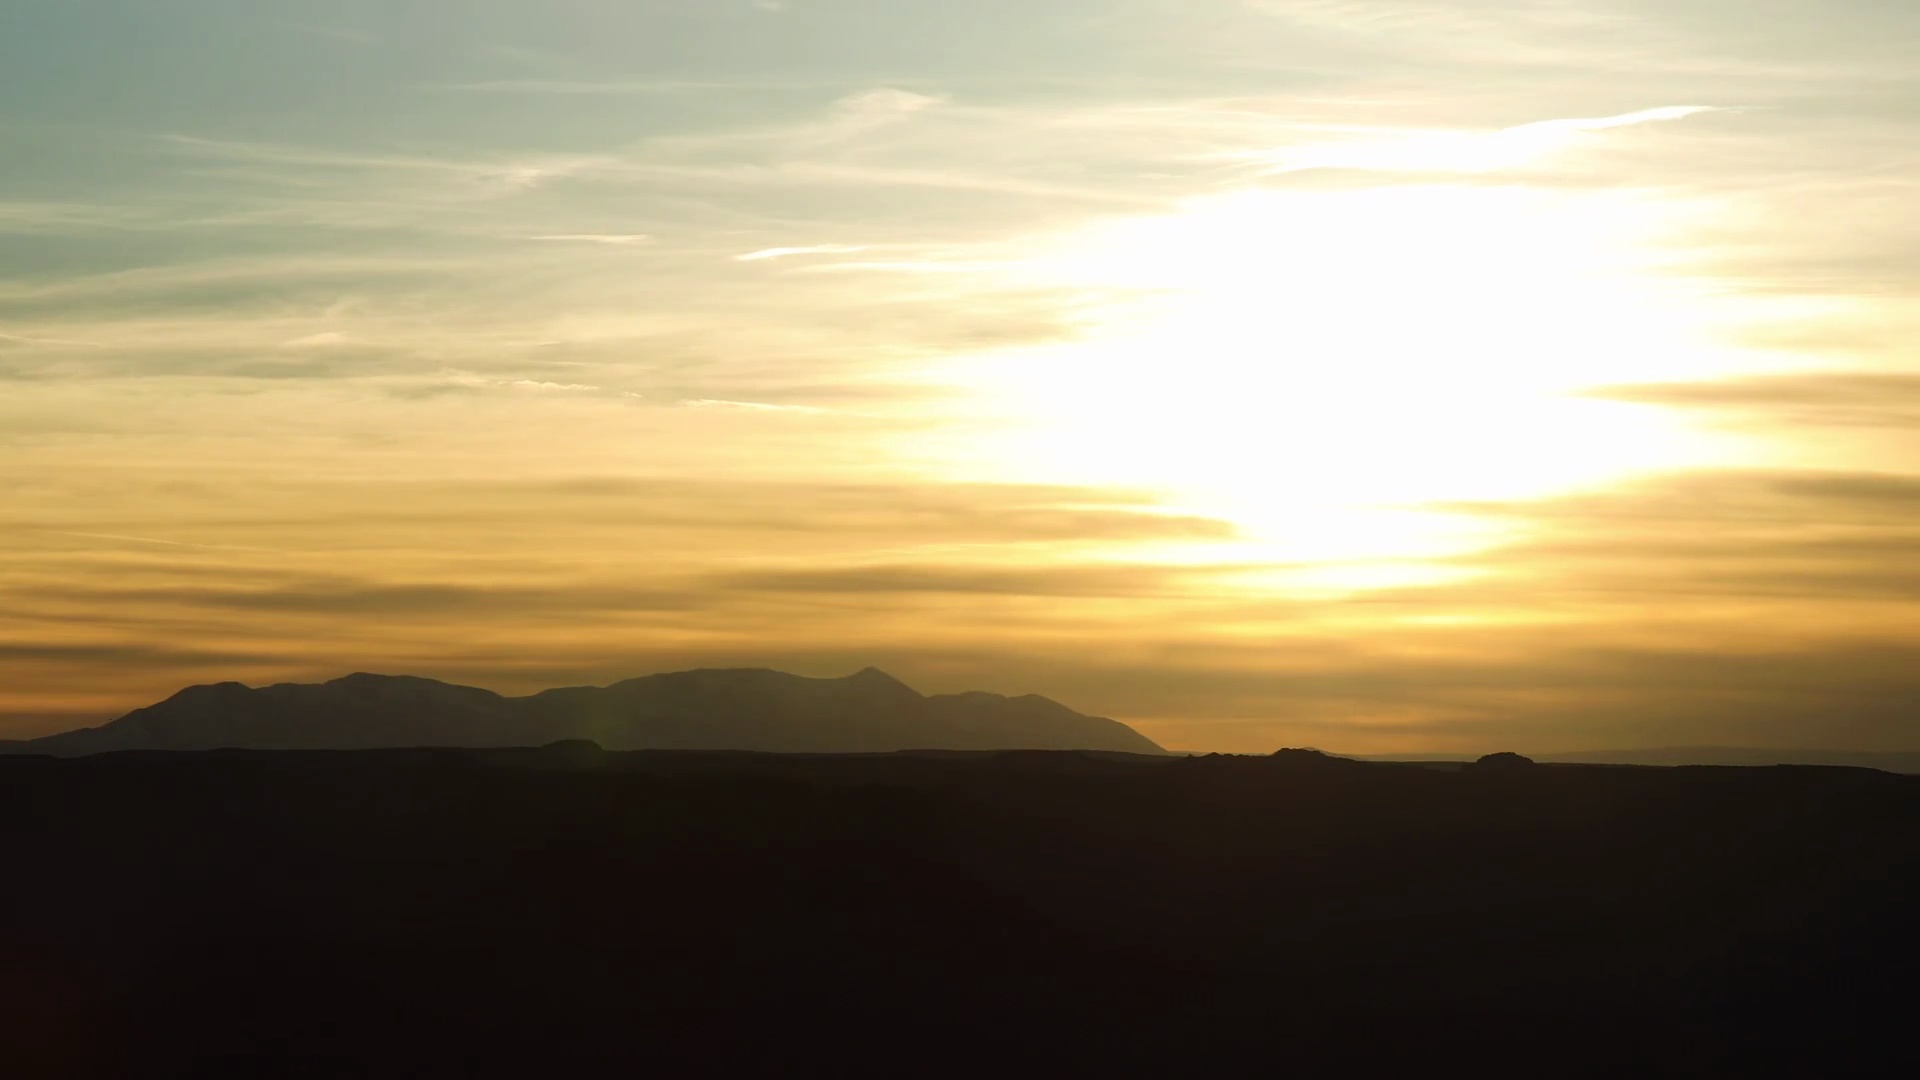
{"points": [[1464, 152], [605, 239], [750, 406], [765, 254], [1842, 399]]}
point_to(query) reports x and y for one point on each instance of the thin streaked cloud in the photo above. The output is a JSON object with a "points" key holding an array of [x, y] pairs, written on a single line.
{"points": [[1468, 152], [608, 239], [765, 254]]}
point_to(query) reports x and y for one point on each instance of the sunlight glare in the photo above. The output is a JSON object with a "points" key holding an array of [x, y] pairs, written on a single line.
{"points": [[1301, 361]]}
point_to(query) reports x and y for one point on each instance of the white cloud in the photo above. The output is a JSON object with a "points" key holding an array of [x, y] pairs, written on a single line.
{"points": [[474, 381], [609, 239], [118, 537], [908, 266], [549, 387], [317, 341], [875, 108], [634, 86], [1466, 152], [784, 252], [17, 341], [755, 406]]}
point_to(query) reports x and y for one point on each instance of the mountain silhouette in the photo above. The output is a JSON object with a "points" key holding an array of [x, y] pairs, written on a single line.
{"points": [[715, 709], [1297, 759], [1505, 761]]}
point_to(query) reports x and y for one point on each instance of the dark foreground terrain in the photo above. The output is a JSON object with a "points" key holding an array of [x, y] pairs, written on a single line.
{"points": [[568, 911]]}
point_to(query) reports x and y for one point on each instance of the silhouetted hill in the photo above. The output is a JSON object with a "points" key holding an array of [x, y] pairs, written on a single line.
{"points": [[1505, 760], [1747, 756], [1888, 761], [731, 709], [1295, 759]]}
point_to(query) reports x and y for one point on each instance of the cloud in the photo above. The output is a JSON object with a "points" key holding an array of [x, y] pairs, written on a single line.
{"points": [[884, 514], [1644, 116], [1743, 608], [1731, 496], [905, 266], [545, 387], [1820, 399], [472, 381], [750, 406], [1769, 559], [787, 252], [960, 179], [1892, 492], [622, 87], [609, 239], [115, 653], [483, 175], [47, 217], [118, 538], [19, 341], [1466, 152], [1030, 581], [879, 106], [342, 596], [220, 280], [317, 341]]}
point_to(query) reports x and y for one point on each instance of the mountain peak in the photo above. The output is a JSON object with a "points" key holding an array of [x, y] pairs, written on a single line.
{"points": [[873, 676], [368, 678], [1306, 758], [203, 692]]}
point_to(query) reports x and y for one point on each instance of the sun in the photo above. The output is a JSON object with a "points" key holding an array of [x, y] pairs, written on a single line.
{"points": [[1328, 368]]}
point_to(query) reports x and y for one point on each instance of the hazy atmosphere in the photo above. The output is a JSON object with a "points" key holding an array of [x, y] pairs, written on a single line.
{"points": [[1378, 375]]}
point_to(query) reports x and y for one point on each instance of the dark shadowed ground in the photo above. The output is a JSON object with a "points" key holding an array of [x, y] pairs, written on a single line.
{"points": [[568, 911]]}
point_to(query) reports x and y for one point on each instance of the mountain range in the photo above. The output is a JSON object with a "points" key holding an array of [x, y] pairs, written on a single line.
{"points": [[715, 709]]}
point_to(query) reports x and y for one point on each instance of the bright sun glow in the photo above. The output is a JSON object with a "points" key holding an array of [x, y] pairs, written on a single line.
{"points": [[1318, 365]]}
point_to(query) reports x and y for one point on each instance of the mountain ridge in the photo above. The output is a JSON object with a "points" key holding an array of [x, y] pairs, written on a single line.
{"points": [[1895, 761], [699, 709]]}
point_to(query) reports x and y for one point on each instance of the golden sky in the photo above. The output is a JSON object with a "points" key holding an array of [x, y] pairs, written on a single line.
{"points": [[1379, 375]]}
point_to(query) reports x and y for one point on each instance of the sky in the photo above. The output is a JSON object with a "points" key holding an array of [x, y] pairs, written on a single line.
{"points": [[1375, 375]]}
